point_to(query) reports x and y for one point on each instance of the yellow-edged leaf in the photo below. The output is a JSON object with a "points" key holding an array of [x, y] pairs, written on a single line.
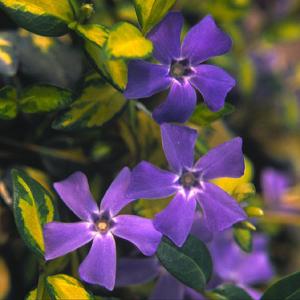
{"points": [[126, 41], [8, 104], [65, 287], [8, 57]]}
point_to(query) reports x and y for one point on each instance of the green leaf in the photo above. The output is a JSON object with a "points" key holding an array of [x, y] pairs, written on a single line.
{"points": [[40, 16], [8, 57], [126, 41], [191, 264], [32, 295], [65, 287], [94, 33], [33, 207], [203, 116], [150, 12], [44, 98], [113, 70], [97, 104], [8, 104], [232, 292], [243, 238], [286, 288]]}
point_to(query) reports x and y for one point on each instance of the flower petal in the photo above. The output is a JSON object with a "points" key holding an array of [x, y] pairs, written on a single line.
{"points": [[193, 295], [146, 79], [220, 211], [166, 38], [148, 181], [115, 197], [205, 40], [226, 160], [139, 231], [176, 220], [99, 267], [178, 144], [132, 271], [200, 230], [168, 287], [62, 238], [214, 84], [179, 105], [75, 193]]}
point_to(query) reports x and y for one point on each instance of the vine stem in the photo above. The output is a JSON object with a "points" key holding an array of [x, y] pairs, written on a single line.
{"points": [[41, 286]]}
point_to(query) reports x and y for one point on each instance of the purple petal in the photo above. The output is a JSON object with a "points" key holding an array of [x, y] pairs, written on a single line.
{"points": [[148, 181], [176, 220], [115, 197], [179, 105], [132, 271], [254, 293], [99, 267], [205, 40], [178, 144], [226, 160], [166, 38], [220, 211], [200, 230], [62, 238], [139, 231], [168, 287], [75, 193], [214, 84], [146, 79], [193, 295]]}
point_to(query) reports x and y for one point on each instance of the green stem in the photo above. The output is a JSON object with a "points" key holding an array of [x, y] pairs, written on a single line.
{"points": [[41, 286]]}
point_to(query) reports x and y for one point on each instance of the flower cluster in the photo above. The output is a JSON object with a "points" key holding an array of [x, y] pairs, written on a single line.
{"points": [[187, 182]]}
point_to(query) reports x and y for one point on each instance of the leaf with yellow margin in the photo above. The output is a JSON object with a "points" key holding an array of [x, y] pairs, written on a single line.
{"points": [[33, 207], [8, 103], [8, 57]]}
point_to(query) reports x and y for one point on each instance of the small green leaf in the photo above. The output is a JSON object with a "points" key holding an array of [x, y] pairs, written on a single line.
{"points": [[191, 264], [65, 287], [33, 207], [126, 41], [44, 98], [8, 104], [40, 16], [232, 292], [8, 57], [150, 12], [203, 116], [97, 104], [243, 238], [286, 288], [32, 295]]}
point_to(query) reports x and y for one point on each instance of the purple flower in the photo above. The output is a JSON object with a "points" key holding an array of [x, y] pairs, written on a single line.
{"points": [[181, 69], [99, 226], [190, 183]]}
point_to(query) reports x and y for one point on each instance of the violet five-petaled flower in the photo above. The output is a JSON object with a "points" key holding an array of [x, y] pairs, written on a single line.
{"points": [[182, 68], [99, 225], [190, 183]]}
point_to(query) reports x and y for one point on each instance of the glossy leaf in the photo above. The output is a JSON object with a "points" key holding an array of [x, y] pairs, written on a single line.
{"points": [[8, 56], [243, 238], [8, 103], [33, 207], [203, 116], [126, 41], [65, 287], [40, 16], [286, 288], [232, 292], [97, 104], [44, 98], [191, 264], [150, 12]]}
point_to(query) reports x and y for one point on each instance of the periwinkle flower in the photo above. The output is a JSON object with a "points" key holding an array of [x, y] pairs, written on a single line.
{"points": [[182, 69], [190, 183], [99, 225]]}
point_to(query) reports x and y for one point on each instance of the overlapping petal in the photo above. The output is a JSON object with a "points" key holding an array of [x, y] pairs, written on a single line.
{"points": [[166, 38], [176, 220], [99, 266], [146, 79], [226, 160], [205, 40], [178, 144], [75, 193], [213, 83], [139, 231], [179, 104], [148, 181], [62, 238]]}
